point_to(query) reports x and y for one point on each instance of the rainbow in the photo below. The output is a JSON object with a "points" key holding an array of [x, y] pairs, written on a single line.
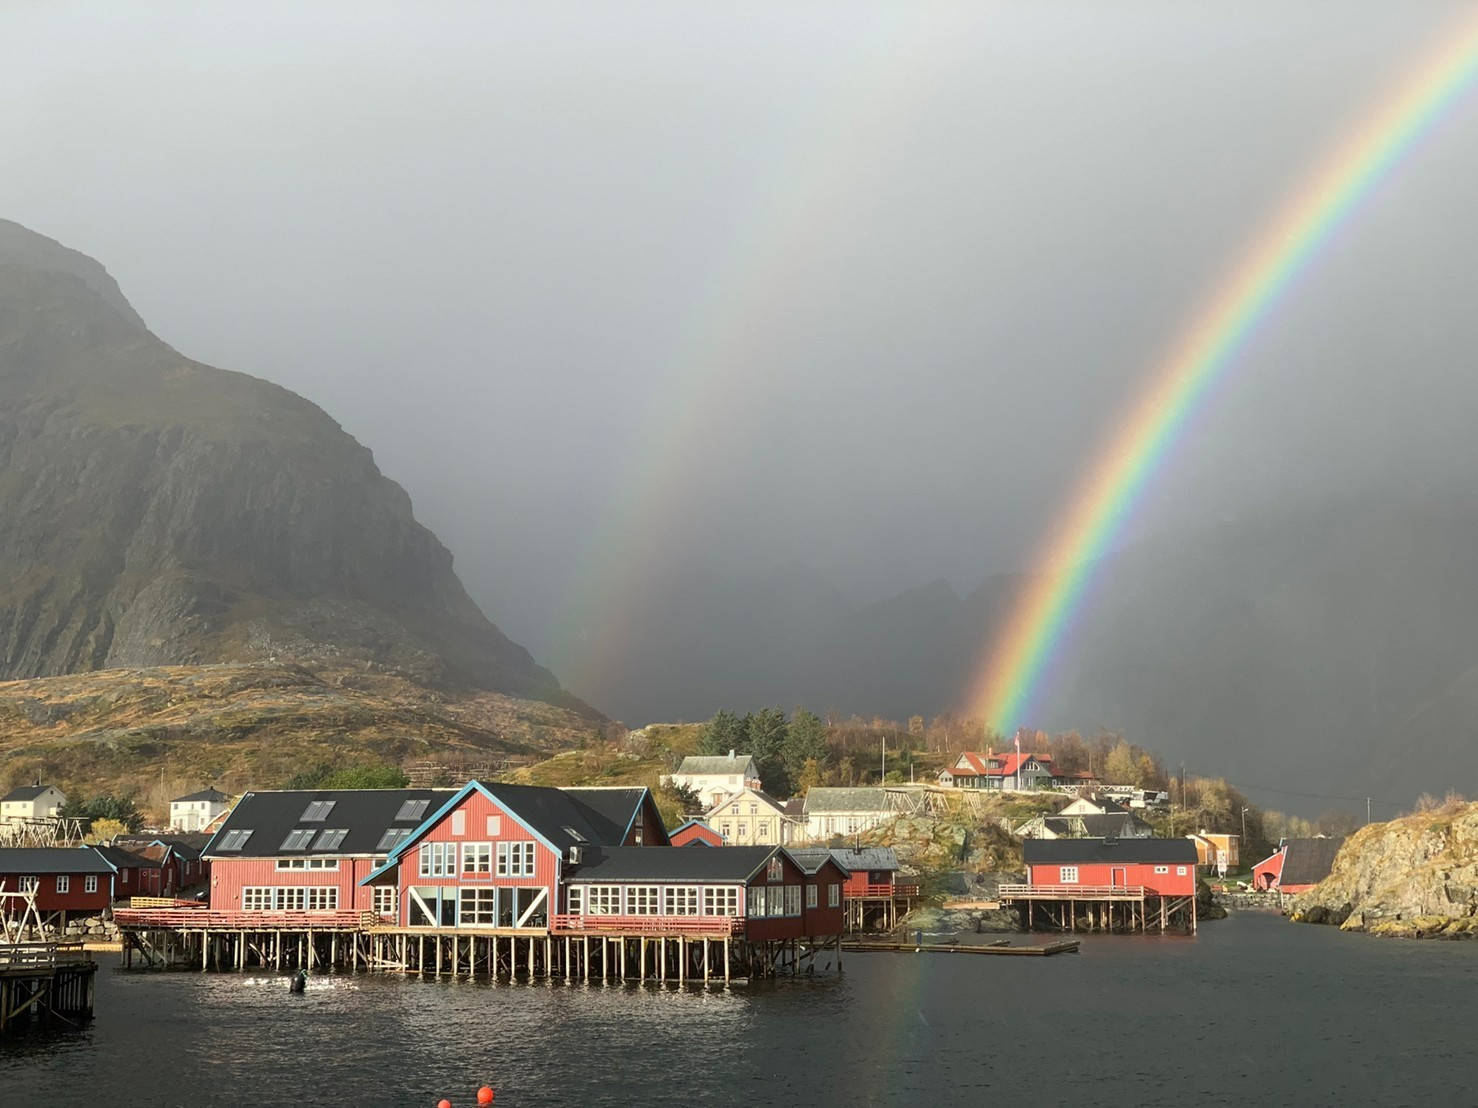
{"points": [[1042, 616]]}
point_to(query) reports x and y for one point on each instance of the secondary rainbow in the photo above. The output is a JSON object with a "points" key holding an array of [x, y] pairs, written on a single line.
{"points": [[1038, 625]]}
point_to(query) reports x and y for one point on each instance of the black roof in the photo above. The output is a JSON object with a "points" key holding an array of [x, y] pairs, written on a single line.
{"points": [[1308, 861], [1111, 824], [365, 815], [567, 817], [52, 859], [671, 863], [119, 858], [203, 794], [1069, 851], [617, 806], [25, 792]]}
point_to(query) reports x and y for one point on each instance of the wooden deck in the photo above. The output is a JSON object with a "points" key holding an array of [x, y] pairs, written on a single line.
{"points": [[1072, 892], [45, 982]]}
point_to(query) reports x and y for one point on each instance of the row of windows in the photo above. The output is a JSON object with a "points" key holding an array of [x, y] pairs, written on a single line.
{"points": [[477, 859], [779, 900], [1068, 875], [307, 863], [653, 900], [63, 883], [301, 898]]}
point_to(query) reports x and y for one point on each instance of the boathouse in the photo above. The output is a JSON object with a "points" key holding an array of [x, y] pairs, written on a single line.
{"points": [[66, 881], [1128, 884], [132, 872], [1297, 865], [696, 833], [873, 897]]}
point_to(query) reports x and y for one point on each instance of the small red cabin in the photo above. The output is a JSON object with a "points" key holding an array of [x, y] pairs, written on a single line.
{"points": [[696, 833], [66, 880], [1297, 865]]}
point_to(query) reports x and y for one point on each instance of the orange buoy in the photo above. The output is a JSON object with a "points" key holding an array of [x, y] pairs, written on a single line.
{"points": [[443, 1103], [484, 1095]]}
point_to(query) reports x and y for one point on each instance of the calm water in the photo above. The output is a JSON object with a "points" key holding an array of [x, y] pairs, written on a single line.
{"points": [[1253, 1010]]}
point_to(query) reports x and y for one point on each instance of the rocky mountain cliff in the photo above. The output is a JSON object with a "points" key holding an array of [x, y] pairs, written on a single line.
{"points": [[157, 511], [1416, 877]]}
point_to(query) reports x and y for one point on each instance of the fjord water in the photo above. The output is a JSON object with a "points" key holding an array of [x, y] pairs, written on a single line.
{"points": [[1254, 1009]]}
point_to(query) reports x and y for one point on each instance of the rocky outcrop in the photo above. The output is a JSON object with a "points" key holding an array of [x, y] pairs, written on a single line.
{"points": [[157, 511], [1416, 876]]}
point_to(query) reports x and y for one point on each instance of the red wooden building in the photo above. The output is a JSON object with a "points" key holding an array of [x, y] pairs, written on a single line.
{"points": [[1297, 865], [67, 881], [133, 874], [696, 833], [1134, 884]]}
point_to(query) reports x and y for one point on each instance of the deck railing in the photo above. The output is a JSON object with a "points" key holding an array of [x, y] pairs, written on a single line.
{"points": [[169, 919], [1072, 892], [15, 956], [871, 891], [163, 902], [648, 925]]}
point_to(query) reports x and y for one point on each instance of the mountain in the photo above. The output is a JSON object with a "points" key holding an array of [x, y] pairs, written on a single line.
{"points": [[1325, 647], [155, 511]]}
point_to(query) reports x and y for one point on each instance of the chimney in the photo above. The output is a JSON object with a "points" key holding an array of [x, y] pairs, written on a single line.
{"points": [[731, 754]]}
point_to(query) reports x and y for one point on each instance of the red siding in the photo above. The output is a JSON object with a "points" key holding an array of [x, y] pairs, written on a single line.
{"points": [[697, 832], [653, 830], [477, 808], [823, 919], [230, 875], [858, 883], [1173, 883], [1267, 873], [75, 899], [778, 927]]}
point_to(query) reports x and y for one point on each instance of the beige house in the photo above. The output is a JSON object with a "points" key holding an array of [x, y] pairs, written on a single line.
{"points": [[752, 818], [31, 802], [713, 779]]}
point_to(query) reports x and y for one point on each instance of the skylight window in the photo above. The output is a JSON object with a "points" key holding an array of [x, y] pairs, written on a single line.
{"points": [[299, 839], [572, 833], [234, 840], [413, 809], [318, 811], [393, 838], [331, 838]]}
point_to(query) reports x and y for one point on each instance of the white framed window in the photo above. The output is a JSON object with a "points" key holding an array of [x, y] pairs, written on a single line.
{"points": [[477, 859], [603, 900], [1068, 875], [495, 826], [681, 900], [644, 900], [63, 883], [755, 908], [743, 828], [792, 900], [477, 907], [776, 871], [833, 896], [515, 859], [1180, 871], [438, 859], [90, 883], [761, 830], [811, 896], [575, 900], [256, 900], [1162, 869], [387, 901], [726, 829], [290, 900], [322, 898], [722, 900], [283, 864], [459, 823]]}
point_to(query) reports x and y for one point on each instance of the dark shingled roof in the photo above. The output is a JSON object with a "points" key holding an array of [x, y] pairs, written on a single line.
{"points": [[119, 858], [51, 859], [1114, 824], [204, 794], [1070, 851], [671, 863], [1308, 861], [25, 792], [878, 858], [366, 814], [618, 806]]}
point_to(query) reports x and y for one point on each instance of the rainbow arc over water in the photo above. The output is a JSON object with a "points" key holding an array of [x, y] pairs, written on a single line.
{"points": [[1021, 656]]}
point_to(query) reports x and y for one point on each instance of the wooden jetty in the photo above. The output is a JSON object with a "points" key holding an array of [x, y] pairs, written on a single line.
{"points": [[44, 983], [1000, 946]]}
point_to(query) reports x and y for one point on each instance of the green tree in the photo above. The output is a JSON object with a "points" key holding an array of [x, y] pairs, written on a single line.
{"points": [[811, 774], [766, 732], [723, 733], [1121, 767], [805, 741]]}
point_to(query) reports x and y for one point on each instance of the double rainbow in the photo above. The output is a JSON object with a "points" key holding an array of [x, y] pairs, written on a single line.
{"points": [[1037, 626]]}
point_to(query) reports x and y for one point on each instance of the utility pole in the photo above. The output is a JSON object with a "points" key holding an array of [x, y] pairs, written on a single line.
{"points": [[1367, 811], [1244, 828], [883, 780]]}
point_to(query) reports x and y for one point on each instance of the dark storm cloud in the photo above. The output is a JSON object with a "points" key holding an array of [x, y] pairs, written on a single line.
{"points": [[484, 236]]}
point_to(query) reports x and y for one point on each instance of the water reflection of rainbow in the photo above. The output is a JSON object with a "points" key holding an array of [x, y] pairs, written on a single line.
{"points": [[1038, 624]]}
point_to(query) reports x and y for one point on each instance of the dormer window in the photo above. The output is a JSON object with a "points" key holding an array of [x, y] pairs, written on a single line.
{"points": [[413, 809], [318, 811], [776, 872], [299, 839]]}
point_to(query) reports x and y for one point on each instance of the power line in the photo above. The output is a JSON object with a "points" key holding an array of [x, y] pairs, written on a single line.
{"points": [[1306, 796]]}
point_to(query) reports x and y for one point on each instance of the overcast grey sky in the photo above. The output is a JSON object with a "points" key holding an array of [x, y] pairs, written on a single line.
{"points": [[727, 286]]}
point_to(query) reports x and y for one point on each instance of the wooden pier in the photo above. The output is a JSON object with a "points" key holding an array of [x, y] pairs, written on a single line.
{"points": [[677, 950], [44, 983], [1126, 908]]}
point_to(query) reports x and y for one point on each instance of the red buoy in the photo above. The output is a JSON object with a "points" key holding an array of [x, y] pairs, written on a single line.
{"points": [[443, 1103], [484, 1095]]}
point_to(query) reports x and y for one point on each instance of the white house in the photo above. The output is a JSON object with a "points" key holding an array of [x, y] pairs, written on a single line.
{"points": [[838, 811], [754, 818], [196, 811], [31, 802], [714, 779]]}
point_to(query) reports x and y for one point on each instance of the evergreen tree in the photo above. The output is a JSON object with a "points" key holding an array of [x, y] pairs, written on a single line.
{"points": [[805, 741], [723, 733], [766, 732]]}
